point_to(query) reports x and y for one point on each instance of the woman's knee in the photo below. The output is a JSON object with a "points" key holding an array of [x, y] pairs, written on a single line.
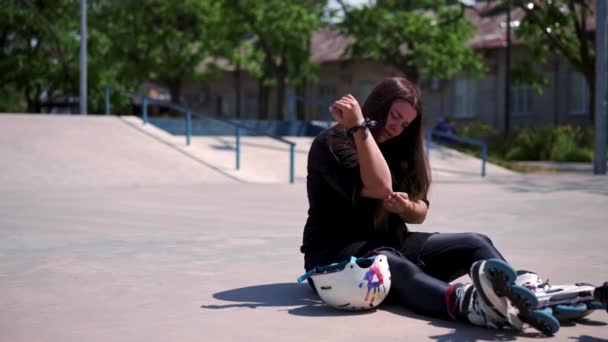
{"points": [[484, 246], [400, 266], [479, 239]]}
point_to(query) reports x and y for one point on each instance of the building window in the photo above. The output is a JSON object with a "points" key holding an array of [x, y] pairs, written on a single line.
{"points": [[579, 94], [228, 105], [327, 93], [464, 98], [521, 99], [363, 90], [291, 105], [251, 104]]}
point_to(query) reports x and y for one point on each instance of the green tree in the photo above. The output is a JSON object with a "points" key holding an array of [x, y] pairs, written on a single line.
{"points": [[160, 40], [419, 38], [557, 27], [282, 33], [39, 47]]}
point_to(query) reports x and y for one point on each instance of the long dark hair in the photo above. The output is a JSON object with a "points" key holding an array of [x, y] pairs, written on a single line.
{"points": [[405, 153]]}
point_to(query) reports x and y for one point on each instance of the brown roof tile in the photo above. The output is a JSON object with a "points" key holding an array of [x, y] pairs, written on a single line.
{"points": [[328, 45]]}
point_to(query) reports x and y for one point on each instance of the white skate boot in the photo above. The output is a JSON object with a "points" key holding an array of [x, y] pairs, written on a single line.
{"points": [[495, 281], [565, 302]]}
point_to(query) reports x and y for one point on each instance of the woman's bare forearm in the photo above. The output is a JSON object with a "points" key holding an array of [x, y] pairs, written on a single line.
{"points": [[415, 212], [375, 174]]}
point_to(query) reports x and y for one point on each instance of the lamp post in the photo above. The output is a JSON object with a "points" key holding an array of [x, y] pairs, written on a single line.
{"points": [[601, 39], [83, 57], [508, 72]]}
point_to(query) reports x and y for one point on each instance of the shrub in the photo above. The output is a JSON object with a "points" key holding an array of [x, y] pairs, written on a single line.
{"points": [[529, 143], [588, 138], [566, 148], [478, 131], [564, 143]]}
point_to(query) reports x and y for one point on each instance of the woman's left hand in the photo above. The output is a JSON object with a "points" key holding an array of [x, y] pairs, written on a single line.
{"points": [[397, 203]]}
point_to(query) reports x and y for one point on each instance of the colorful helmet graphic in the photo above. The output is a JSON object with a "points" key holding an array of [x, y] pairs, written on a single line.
{"points": [[349, 286]]}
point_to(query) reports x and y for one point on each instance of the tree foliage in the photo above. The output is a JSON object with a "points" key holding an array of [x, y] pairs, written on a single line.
{"points": [[419, 38], [39, 47], [556, 27], [165, 41], [282, 32]]}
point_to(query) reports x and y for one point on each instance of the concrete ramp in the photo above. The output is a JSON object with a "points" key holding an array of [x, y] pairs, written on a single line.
{"points": [[51, 151], [264, 160], [450, 164]]}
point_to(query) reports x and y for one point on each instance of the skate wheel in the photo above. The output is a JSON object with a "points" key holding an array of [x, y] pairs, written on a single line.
{"points": [[574, 308], [570, 312], [497, 267], [543, 322], [595, 305], [523, 299]]}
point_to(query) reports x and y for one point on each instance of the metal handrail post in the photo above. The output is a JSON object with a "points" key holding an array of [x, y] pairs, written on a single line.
{"points": [[291, 163], [237, 148], [188, 127], [189, 113], [144, 108], [107, 97], [484, 147]]}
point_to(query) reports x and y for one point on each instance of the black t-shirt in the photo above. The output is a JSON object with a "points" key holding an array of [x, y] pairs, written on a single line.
{"points": [[339, 217]]}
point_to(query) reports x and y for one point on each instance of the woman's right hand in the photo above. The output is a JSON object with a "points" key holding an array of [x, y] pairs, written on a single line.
{"points": [[347, 112]]}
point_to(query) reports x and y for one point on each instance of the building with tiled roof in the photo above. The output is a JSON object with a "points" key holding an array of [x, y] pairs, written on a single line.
{"points": [[459, 98]]}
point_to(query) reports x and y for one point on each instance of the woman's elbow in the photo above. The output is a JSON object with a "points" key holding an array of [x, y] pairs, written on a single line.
{"points": [[420, 219], [385, 190], [379, 191], [416, 220]]}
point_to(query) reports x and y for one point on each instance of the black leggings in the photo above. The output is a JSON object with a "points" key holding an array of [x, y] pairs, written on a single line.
{"points": [[421, 284]]}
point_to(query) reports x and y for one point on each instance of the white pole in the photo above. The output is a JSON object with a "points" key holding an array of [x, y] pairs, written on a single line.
{"points": [[601, 39], [83, 57]]}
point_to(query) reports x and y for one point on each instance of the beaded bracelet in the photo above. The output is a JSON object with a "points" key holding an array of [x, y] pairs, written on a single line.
{"points": [[365, 126]]}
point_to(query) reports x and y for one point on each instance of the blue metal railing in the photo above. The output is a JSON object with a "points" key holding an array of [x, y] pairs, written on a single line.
{"points": [[322, 104], [189, 113], [429, 133]]}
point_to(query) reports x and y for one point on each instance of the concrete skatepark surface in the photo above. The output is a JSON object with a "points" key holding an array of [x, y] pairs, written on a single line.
{"points": [[111, 232]]}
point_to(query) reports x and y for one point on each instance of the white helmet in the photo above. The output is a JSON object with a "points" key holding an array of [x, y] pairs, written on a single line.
{"points": [[348, 286]]}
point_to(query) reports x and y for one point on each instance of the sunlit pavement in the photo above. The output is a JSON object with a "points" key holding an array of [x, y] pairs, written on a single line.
{"points": [[138, 241]]}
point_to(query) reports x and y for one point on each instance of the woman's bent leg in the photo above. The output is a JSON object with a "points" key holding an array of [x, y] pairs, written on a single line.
{"points": [[413, 288], [449, 256]]}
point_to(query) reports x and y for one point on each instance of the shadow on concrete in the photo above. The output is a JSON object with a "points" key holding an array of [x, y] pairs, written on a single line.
{"points": [[461, 331], [285, 294], [307, 303], [468, 333], [280, 295], [587, 321], [323, 310], [587, 338]]}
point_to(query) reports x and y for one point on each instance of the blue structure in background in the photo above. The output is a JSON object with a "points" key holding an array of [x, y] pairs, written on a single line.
{"points": [[200, 124], [429, 134], [188, 129]]}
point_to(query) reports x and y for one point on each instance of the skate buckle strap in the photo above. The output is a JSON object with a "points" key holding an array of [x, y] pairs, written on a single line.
{"points": [[335, 267], [545, 284]]}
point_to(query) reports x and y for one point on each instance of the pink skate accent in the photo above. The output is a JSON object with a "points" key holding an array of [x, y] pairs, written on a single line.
{"points": [[451, 305]]}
